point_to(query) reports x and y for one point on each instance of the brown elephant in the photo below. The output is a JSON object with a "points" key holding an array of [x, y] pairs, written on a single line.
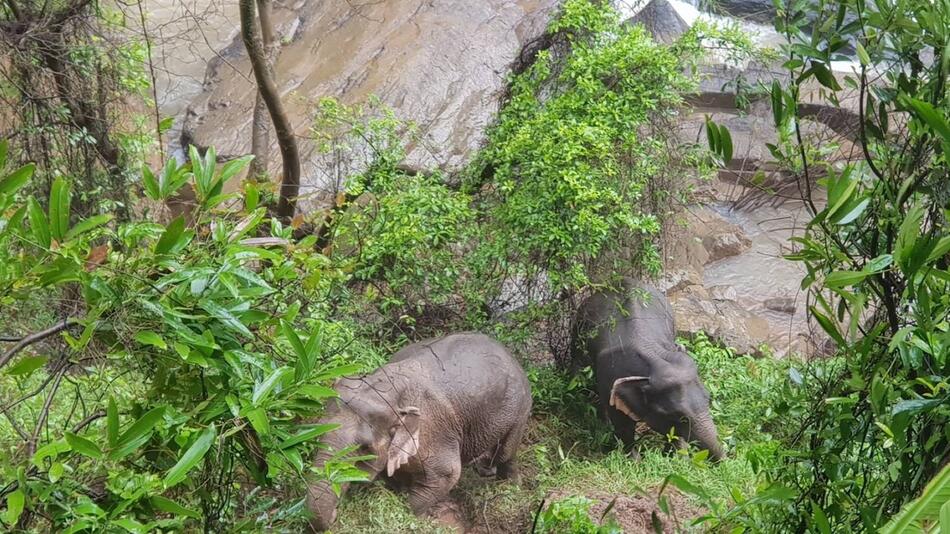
{"points": [[438, 405], [642, 374]]}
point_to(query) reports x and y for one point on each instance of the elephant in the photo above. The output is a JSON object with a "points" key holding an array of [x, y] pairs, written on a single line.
{"points": [[437, 405], [641, 373]]}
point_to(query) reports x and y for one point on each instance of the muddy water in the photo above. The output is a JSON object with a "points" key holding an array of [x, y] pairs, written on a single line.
{"points": [[761, 273], [185, 36]]}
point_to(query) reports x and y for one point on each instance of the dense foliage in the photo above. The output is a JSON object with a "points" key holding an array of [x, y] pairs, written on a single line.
{"points": [[163, 370], [878, 426]]}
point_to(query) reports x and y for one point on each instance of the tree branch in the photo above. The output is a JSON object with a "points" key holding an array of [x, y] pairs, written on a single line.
{"points": [[290, 183], [33, 338]]}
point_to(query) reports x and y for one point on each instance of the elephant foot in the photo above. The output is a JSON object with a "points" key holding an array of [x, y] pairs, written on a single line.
{"points": [[485, 469], [449, 514], [634, 454], [509, 471]]}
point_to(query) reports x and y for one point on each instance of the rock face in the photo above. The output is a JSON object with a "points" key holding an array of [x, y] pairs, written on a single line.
{"points": [[441, 64]]}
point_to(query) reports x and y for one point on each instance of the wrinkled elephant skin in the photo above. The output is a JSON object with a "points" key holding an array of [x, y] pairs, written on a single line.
{"points": [[629, 338], [438, 404]]}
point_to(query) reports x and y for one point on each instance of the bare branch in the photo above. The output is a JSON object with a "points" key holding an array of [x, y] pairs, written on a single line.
{"points": [[290, 183], [33, 338]]}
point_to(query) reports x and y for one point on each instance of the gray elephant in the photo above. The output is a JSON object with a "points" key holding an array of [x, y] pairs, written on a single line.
{"points": [[438, 404], [642, 374]]}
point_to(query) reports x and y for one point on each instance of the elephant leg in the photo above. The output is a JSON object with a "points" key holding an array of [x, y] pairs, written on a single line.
{"points": [[485, 464], [507, 456], [625, 429], [441, 475]]}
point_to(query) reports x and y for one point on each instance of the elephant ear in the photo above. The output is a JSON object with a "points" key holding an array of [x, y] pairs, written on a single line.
{"points": [[405, 442], [617, 401]]}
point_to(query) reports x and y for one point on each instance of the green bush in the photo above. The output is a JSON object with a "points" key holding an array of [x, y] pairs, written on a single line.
{"points": [[193, 351], [572, 514]]}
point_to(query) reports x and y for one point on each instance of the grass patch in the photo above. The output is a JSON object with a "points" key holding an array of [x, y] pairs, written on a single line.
{"points": [[570, 450]]}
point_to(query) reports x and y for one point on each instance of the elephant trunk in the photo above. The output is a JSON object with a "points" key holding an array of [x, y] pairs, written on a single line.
{"points": [[321, 500], [703, 431]]}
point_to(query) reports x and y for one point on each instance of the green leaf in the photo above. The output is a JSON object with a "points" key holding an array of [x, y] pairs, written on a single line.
{"points": [[777, 109], [316, 392], [130, 525], [152, 189], [725, 142], [50, 450], [166, 124], [252, 197], [862, 54], [55, 472], [192, 456], [685, 486], [259, 421], [820, 519], [16, 179], [879, 263], [169, 506], [263, 389], [15, 503], [225, 316], [112, 422], [27, 365], [945, 517], [307, 434], [839, 279], [233, 167], [293, 339], [930, 116], [849, 215], [148, 337], [841, 196], [828, 326], [83, 446], [138, 433], [85, 225], [712, 135], [912, 406], [929, 506], [907, 235], [336, 372], [38, 223], [171, 235], [825, 76], [59, 200], [940, 249], [4, 149]]}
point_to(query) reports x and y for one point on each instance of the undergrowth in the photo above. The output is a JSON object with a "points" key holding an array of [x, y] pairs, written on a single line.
{"points": [[571, 451]]}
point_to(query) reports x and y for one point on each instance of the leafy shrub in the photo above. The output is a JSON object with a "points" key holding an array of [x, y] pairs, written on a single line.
{"points": [[184, 359], [572, 514]]}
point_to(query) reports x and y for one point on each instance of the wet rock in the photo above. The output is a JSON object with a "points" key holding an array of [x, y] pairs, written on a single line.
{"points": [[723, 292], [674, 280], [722, 320], [662, 21], [696, 291], [725, 242], [441, 65], [780, 304]]}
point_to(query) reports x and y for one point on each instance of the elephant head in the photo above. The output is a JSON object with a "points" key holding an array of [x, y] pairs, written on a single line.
{"points": [[373, 426], [670, 396]]}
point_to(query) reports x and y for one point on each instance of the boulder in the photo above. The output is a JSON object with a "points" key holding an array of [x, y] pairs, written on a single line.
{"points": [[441, 65], [780, 304], [724, 321], [726, 242], [723, 292]]}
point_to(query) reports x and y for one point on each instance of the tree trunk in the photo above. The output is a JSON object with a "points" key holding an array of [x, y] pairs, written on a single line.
{"points": [[260, 129], [290, 182]]}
